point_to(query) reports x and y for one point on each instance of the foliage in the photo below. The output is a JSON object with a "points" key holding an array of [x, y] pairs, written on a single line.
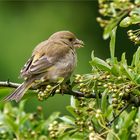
{"points": [[120, 12], [110, 106]]}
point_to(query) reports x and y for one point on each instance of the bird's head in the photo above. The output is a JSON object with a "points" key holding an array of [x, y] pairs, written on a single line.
{"points": [[68, 38]]}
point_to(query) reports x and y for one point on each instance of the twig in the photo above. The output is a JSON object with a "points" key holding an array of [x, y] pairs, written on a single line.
{"points": [[67, 91], [133, 99], [9, 84], [115, 117]]}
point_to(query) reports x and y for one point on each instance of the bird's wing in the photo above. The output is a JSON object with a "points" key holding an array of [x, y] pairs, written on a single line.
{"points": [[37, 66], [44, 59], [40, 65]]}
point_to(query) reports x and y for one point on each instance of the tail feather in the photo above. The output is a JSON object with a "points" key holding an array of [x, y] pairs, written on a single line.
{"points": [[19, 92]]}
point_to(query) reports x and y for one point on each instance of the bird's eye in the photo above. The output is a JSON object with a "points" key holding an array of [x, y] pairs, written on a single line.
{"points": [[70, 39]]}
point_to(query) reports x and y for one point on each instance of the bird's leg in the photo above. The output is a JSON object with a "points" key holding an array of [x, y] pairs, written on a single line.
{"points": [[65, 87], [62, 89]]}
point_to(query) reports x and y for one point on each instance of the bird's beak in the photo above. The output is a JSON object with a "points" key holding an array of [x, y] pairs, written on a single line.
{"points": [[78, 43]]}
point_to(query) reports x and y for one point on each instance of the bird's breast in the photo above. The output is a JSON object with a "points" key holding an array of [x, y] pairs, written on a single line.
{"points": [[63, 67]]}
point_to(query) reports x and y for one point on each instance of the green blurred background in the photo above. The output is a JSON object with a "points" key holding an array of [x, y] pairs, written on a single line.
{"points": [[24, 24]]}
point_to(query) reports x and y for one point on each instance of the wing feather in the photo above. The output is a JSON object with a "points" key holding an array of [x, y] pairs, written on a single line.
{"points": [[43, 58]]}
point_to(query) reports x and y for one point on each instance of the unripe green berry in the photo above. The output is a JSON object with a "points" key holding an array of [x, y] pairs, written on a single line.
{"points": [[119, 78], [121, 94], [97, 116], [127, 90], [114, 100], [49, 86], [55, 122], [136, 120], [114, 105], [117, 127], [33, 133], [129, 31], [105, 85], [90, 128], [108, 76], [57, 91], [99, 83], [115, 90], [81, 84], [98, 111], [133, 135], [113, 95]]}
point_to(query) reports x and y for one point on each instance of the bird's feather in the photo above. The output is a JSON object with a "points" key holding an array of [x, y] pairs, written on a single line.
{"points": [[19, 92], [39, 64]]}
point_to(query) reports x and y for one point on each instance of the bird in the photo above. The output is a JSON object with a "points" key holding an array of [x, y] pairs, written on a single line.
{"points": [[51, 59]]}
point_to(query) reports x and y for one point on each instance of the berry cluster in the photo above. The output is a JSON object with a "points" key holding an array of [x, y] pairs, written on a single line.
{"points": [[44, 93], [53, 129], [134, 36]]}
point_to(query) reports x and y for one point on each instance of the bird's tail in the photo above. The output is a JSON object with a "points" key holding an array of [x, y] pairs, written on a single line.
{"points": [[19, 92]]}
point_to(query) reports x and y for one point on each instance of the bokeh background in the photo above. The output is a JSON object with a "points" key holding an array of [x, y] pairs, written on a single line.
{"points": [[24, 24]]}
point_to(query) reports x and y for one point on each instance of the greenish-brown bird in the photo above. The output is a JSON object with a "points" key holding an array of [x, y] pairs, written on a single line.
{"points": [[51, 59]]}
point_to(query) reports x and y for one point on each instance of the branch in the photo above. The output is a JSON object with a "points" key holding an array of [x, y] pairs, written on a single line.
{"points": [[66, 91], [133, 99], [9, 84]]}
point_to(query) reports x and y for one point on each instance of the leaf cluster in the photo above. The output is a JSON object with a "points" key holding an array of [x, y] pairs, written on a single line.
{"points": [[110, 106], [125, 13]]}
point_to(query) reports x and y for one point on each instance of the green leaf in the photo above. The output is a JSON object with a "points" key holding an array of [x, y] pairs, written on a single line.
{"points": [[98, 102], [136, 92], [77, 136], [96, 124], [135, 11], [74, 102], [104, 101], [101, 64], [11, 123], [124, 130], [124, 68], [115, 69], [137, 1], [109, 112], [135, 19], [111, 25], [68, 119], [67, 135], [136, 61], [137, 56], [24, 119], [72, 111], [92, 55], [126, 22], [8, 108], [110, 136], [128, 73], [112, 43], [109, 28], [43, 137], [137, 79], [123, 59], [21, 106]]}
